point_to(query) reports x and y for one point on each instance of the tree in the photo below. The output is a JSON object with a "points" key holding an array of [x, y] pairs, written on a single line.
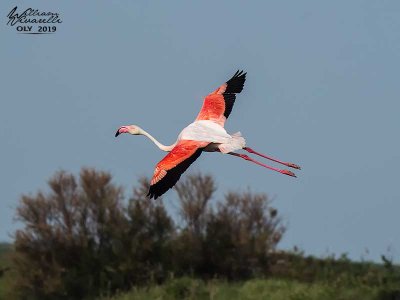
{"points": [[241, 234], [66, 247], [233, 240], [80, 239], [148, 242], [194, 194]]}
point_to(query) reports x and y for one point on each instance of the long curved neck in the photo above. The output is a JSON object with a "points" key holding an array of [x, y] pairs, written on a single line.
{"points": [[158, 144]]}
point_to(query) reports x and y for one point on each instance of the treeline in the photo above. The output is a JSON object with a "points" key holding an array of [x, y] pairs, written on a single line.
{"points": [[83, 238]]}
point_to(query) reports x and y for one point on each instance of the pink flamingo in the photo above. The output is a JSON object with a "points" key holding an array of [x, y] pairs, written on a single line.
{"points": [[206, 133]]}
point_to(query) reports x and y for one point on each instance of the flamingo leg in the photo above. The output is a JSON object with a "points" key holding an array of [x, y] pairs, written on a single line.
{"points": [[246, 157], [290, 165]]}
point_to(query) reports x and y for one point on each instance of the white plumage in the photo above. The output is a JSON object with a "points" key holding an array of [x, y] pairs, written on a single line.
{"points": [[208, 131]]}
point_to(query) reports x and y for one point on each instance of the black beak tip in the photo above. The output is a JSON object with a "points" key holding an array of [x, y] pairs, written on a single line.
{"points": [[117, 133]]}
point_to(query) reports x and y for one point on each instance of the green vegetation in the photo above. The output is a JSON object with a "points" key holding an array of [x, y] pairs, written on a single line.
{"points": [[5, 268], [271, 289], [293, 277], [84, 240], [81, 239], [5, 250]]}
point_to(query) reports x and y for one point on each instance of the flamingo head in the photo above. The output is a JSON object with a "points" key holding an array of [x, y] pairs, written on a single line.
{"points": [[132, 129]]}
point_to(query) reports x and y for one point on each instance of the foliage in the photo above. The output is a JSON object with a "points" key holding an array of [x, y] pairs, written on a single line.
{"points": [[271, 289], [146, 245], [337, 272], [67, 246], [5, 250], [231, 241], [5, 270], [80, 240], [241, 234]]}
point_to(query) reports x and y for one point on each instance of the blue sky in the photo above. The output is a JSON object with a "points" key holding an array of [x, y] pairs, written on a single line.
{"points": [[322, 91]]}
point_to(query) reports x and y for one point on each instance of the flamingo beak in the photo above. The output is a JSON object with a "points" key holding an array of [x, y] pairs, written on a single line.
{"points": [[123, 129]]}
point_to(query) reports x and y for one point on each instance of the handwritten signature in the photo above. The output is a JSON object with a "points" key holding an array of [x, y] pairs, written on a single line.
{"points": [[31, 15]]}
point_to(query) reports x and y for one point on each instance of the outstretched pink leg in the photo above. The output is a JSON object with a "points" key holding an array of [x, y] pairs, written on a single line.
{"points": [[291, 165], [246, 157]]}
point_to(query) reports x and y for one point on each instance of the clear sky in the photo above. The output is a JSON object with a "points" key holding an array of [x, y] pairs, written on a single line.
{"points": [[322, 91]]}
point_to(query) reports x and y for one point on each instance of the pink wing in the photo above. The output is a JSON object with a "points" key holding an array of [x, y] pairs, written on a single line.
{"points": [[218, 105], [173, 165]]}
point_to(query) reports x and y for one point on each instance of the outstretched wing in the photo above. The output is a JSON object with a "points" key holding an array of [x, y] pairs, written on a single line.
{"points": [[218, 105], [173, 165]]}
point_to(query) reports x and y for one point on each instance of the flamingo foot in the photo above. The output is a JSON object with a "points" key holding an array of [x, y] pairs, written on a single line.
{"points": [[287, 172], [290, 165], [294, 166]]}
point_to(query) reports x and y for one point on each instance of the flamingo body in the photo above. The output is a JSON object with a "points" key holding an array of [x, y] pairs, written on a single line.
{"points": [[211, 132]]}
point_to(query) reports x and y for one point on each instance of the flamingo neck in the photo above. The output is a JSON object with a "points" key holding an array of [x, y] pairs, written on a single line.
{"points": [[158, 144]]}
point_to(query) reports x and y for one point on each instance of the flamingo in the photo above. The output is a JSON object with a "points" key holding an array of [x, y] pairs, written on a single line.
{"points": [[205, 134]]}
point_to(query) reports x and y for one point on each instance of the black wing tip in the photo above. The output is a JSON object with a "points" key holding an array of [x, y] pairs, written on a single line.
{"points": [[239, 73], [151, 194], [160, 188], [236, 83]]}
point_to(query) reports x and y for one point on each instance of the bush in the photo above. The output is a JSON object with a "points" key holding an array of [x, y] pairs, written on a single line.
{"points": [[231, 241], [186, 288], [241, 234], [80, 240]]}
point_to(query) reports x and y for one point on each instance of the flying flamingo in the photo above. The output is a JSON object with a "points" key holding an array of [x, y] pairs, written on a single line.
{"points": [[207, 134]]}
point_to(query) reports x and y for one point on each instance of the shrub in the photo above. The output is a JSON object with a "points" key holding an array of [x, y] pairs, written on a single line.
{"points": [[233, 240], [80, 240]]}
